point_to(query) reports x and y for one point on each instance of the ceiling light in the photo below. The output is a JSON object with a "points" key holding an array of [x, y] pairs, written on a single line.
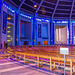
{"points": [[8, 18], [35, 5]]}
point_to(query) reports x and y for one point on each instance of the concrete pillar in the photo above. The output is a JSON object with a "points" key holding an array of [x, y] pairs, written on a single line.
{"points": [[71, 30], [3, 24], [17, 28], [52, 29], [69, 33], [1, 20], [34, 31]]}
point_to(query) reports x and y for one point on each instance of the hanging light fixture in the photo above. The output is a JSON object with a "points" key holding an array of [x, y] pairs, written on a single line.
{"points": [[35, 5], [43, 10]]}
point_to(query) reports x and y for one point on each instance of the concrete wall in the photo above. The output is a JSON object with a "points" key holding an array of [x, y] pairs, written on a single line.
{"points": [[73, 34], [28, 30], [4, 36], [42, 39]]}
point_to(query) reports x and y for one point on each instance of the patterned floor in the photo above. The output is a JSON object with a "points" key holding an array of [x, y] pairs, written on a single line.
{"points": [[12, 67]]}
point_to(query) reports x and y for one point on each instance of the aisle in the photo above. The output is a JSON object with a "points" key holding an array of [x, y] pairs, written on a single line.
{"points": [[11, 67]]}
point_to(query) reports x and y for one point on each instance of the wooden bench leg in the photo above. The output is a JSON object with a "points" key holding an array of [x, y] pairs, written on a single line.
{"points": [[70, 67], [37, 61], [19, 56], [11, 55], [73, 68], [24, 58], [53, 67], [50, 64], [42, 62], [28, 59], [16, 55], [54, 64]]}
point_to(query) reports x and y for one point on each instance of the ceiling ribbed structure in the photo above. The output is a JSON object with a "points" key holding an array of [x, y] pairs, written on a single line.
{"points": [[50, 8]]}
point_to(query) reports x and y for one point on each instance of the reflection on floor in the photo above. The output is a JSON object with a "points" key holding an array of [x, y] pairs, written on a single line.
{"points": [[12, 67]]}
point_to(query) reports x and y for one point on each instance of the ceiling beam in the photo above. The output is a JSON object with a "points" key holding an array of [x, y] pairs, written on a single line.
{"points": [[34, 2], [39, 6], [30, 6], [72, 8], [13, 3], [66, 0], [55, 8], [46, 11], [47, 7], [62, 13], [21, 4], [64, 5], [64, 10], [49, 2]]}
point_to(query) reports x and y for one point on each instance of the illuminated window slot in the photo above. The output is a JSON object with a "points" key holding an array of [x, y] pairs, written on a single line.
{"points": [[8, 36], [8, 27], [8, 31], [9, 18], [8, 40]]}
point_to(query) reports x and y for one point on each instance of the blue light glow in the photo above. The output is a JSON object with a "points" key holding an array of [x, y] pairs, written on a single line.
{"points": [[53, 34], [68, 31], [26, 16], [8, 7], [45, 20], [73, 21], [71, 33], [60, 21], [54, 22]]}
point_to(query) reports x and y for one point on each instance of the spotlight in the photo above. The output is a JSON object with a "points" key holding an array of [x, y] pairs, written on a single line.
{"points": [[9, 18], [35, 5], [43, 10]]}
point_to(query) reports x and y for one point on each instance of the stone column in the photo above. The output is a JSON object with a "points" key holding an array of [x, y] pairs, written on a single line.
{"points": [[17, 28], [1, 20], [52, 29], [68, 29], [34, 31]]}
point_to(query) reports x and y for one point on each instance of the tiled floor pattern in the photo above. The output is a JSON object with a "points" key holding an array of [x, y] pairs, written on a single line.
{"points": [[11, 67]]}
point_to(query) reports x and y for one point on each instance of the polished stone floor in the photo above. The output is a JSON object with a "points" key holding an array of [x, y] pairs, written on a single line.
{"points": [[13, 67]]}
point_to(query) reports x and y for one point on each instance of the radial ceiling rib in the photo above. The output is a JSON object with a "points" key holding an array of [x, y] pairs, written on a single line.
{"points": [[13, 3], [72, 8], [64, 5], [39, 5], [64, 9], [34, 2], [46, 11], [30, 6], [49, 2], [47, 7], [21, 4], [62, 13], [55, 8], [66, 0]]}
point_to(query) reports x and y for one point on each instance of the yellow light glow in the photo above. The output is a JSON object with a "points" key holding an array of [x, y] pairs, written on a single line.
{"points": [[8, 36], [8, 27], [8, 40], [9, 18], [8, 31], [35, 6]]}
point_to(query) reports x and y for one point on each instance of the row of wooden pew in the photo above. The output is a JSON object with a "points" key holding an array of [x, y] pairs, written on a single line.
{"points": [[44, 55]]}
